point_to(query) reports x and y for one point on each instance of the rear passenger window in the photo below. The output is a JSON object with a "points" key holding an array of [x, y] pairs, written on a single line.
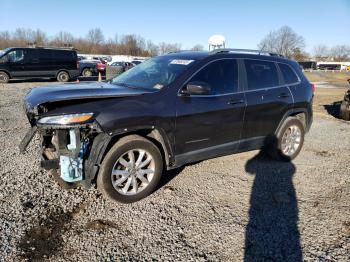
{"points": [[261, 74], [62, 55], [289, 75], [45, 55], [221, 75]]}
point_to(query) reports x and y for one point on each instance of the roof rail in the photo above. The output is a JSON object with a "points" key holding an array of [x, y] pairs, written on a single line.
{"points": [[34, 45], [252, 51], [177, 51]]}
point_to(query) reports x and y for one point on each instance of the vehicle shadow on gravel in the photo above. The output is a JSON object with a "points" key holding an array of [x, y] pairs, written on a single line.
{"points": [[272, 231], [333, 109]]}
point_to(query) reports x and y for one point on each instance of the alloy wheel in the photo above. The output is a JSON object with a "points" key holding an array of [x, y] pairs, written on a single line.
{"points": [[133, 172], [291, 140]]}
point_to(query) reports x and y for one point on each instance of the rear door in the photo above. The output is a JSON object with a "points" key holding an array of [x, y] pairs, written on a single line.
{"points": [[267, 97], [215, 119]]}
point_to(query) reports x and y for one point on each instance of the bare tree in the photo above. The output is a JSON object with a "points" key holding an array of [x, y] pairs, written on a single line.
{"points": [[340, 53], [63, 38], [197, 47], [152, 48], [23, 36], [6, 39], [165, 48], [39, 37], [94, 38], [320, 51], [284, 41]]}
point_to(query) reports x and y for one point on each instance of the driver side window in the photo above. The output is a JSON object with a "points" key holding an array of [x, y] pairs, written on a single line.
{"points": [[15, 56], [221, 76]]}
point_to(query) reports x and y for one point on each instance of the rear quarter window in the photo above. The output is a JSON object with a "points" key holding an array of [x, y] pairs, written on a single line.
{"points": [[261, 74], [288, 74], [63, 55]]}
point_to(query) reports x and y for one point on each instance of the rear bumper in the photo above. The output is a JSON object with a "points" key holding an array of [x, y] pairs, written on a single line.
{"points": [[74, 73]]}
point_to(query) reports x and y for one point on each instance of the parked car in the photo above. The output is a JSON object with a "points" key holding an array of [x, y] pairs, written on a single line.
{"points": [[136, 62], [26, 63], [124, 66], [167, 112], [90, 68], [101, 67]]}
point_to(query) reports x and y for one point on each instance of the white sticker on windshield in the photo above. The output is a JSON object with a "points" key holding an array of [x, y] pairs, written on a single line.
{"points": [[181, 62], [158, 86]]}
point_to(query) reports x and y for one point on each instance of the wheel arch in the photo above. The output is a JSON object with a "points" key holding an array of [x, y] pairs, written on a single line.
{"points": [[300, 113], [104, 142], [6, 72], [63, 70]]}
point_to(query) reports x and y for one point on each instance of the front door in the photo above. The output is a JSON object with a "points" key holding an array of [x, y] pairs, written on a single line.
{"points": [[211, 121], [16, 60]]}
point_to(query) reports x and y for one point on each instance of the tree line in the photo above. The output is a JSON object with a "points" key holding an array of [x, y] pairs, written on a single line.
{"points": [[288, 43], [283, 41], [93, 43]]}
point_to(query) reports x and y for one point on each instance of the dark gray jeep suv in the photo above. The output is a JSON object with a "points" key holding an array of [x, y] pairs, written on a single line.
{"points": [[167, 112]]}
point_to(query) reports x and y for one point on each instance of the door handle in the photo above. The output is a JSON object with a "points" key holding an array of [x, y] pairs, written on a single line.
{"points": [[235, 102], [283, 95]]}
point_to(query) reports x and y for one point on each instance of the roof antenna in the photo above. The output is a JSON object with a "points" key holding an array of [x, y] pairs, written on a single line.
{"points": [[216, 42]]}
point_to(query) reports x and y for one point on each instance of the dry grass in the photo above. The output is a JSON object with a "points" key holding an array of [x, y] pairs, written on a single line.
{"points": [[335, 78], [327, 97]]}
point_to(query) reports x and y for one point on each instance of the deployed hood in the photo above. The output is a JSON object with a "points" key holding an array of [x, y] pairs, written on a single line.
{"points": [[40, 95]]}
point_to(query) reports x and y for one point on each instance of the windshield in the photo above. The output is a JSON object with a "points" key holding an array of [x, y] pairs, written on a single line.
{"points": [[2, 52], [154, 73]]}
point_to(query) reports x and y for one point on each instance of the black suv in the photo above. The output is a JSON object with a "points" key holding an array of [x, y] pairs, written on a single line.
{"points": [[26, 63], [166, 112]]}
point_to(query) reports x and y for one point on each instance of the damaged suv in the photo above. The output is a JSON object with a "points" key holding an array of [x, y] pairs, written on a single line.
{"points": [[167, 112]]}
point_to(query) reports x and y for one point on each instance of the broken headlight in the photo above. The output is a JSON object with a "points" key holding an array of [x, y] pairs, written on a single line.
{"points": [[66, 119]]}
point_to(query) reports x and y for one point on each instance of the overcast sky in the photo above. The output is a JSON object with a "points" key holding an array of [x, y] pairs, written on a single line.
{"points": [[243, 23]]}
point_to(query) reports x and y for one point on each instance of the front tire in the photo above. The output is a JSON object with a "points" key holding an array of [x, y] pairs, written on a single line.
{"points": [[63, 76], [4, 78], [286, 145], [131, 170]]}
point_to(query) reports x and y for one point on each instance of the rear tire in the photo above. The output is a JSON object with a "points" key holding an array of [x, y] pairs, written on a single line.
{"points": [[63, 76], [344, 112], [87, 72], [286, 145], [131, 170], [4, 78]]}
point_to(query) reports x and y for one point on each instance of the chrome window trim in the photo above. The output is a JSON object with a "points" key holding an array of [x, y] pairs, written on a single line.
{"points": [[208, 63], [299, 80], [244, 91]]}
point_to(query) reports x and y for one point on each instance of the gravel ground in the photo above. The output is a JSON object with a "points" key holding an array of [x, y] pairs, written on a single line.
{"points": [[232, 208]]}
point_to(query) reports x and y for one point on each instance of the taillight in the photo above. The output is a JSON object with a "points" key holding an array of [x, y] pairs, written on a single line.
{"points": [[78, 64], [313, 87]]}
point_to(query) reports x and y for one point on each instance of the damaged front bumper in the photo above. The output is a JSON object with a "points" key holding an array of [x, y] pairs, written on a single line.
{"points": [[70, 149]]}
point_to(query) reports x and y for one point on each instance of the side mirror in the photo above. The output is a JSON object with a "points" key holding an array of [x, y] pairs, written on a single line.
{"points": [[196, 88]]}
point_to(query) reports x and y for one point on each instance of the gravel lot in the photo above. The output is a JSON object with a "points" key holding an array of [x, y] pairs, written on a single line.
{"points": [[231, 208]]}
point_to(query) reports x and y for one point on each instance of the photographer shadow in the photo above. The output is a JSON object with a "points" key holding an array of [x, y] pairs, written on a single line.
{"points": [[272, 231]]}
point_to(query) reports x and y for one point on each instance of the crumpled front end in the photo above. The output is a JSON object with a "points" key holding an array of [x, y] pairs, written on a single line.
{"points": [[66, 141]]}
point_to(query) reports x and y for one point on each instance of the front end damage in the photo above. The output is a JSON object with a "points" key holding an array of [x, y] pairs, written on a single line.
{"points": [[68, 146], [66, 150]]}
